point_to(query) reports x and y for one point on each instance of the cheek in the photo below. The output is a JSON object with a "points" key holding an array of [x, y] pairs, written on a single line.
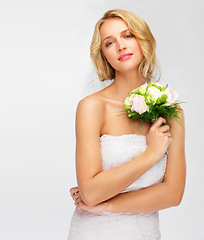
{"points": [[112, 60], [108, 55]]}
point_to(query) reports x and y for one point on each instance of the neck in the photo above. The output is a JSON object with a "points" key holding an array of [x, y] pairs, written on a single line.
{"points": [[125, 82]]}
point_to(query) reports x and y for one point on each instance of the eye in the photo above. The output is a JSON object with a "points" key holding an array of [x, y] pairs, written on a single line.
{"points": [[129, 36], [108, 43]]}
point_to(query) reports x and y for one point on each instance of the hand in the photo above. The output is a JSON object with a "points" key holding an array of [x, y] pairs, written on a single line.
{"points": [[158, 138], [74, 192], [80, 205]]}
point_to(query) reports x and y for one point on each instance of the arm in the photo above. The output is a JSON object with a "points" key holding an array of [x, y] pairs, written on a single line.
{"points": [[166, 194], [94, 185]]}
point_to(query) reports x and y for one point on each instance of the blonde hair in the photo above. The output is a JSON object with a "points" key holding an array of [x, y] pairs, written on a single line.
{"points": [[140, 30]]}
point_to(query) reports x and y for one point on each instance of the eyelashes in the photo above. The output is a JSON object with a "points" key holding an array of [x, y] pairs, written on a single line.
{"points": [[108, 44], [126, 37], [130, 36]]}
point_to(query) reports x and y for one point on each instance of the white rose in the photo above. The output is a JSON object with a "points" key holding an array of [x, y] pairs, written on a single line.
{"points": [[155, 93], [139, 105]]}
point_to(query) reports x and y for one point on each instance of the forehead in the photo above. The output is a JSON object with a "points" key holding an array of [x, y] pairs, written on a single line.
{"points": [[112, 26]]}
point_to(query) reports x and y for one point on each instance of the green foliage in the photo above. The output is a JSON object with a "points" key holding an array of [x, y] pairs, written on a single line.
{"points": [[155, 100], [168, 112]]}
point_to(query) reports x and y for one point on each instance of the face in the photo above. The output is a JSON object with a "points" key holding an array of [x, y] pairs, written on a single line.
{"points": [[119, 46]]}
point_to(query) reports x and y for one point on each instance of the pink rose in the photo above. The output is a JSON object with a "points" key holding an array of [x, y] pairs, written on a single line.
{"points": [[138, 103], [132, 98], [172, 95]]}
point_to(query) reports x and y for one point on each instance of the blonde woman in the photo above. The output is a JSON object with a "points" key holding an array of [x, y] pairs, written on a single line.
{"points": [[123, 173]]}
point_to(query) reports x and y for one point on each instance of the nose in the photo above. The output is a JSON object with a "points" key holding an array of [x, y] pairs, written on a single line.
{"points": [[121, 46]]}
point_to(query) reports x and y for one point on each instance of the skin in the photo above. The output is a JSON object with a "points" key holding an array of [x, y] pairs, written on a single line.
{"points": [[99, 191]]}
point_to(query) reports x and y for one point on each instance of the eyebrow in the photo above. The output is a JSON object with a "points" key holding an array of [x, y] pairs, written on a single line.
{"points": [[120, 33]]}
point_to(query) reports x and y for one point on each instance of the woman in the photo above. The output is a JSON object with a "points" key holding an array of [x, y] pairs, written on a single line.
{"points": [[124, 176]]}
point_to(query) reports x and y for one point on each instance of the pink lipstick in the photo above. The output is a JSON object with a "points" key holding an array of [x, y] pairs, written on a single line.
{"points": [[125, 56]]}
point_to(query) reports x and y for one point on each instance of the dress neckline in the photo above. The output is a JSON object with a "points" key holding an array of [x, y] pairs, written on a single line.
{"points": [[123, 135]]}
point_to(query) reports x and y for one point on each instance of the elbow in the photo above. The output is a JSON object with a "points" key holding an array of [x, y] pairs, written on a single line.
{"points": [[175, 193], [89, 202], [88, 198], [178, 196], [178, 201]]}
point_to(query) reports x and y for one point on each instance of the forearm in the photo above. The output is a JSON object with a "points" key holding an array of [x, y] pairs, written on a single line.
{"points": [[164, 195], [150, 199], [108, 184]]}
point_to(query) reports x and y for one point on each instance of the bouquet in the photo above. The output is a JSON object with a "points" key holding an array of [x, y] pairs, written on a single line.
{"points": [[151, 101]]}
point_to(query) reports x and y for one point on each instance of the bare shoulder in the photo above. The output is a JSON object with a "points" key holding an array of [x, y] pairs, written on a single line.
{"points": [[92, 103], [90, 113], [91, 107]]}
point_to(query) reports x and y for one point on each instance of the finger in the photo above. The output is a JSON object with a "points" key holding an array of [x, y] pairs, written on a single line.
{"points": [[75, 196], [168, 134], [169, 139], [74, 190], [159, 122], [164, 128], [79, 207], [79, 199]]}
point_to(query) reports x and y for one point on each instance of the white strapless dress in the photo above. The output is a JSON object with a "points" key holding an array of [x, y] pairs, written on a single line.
{"points": [[116, 151]]}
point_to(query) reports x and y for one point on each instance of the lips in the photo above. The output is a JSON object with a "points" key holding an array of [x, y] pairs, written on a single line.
{"points": [[125, 56]]}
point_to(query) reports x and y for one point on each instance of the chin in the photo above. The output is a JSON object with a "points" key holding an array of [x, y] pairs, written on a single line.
{"points": [[128, 68]]}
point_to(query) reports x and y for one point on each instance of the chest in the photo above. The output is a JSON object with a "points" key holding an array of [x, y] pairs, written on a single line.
{"points": [[118, 123], [118, 150]]}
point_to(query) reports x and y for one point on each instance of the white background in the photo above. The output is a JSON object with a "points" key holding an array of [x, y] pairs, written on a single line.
{"points": [[44, 59]]}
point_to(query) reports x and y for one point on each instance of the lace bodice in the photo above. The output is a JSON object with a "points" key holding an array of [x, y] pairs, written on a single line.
{"points": [[116, 151]]}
